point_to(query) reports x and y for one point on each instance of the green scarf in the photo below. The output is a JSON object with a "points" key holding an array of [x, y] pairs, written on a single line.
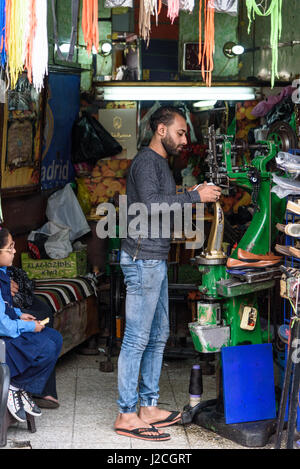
{"points": [[274, 10]]}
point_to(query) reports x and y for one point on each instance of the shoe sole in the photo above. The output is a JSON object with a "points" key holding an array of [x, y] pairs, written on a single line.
{"points": [[33, 413], [16, 417], [139, 437], [167, 424]]}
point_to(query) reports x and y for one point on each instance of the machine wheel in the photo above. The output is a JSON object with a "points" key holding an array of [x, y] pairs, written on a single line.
{"points": [[283, 135]]}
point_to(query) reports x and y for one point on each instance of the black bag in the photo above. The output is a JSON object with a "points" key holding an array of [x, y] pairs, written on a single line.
{"points": [[24, 297], [91, 142]]}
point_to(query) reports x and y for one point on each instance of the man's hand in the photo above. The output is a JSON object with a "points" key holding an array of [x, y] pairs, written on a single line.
{"points": [[38, 326], [14, 287], [209, 193], [27, 317]]}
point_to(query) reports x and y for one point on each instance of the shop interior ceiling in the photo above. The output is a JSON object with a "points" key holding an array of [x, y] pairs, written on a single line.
{"points": [[217, 29]]}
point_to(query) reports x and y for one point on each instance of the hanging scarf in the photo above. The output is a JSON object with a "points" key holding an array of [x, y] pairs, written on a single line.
{"points": [[274, 10], [90, 24], [30, 39], [147, 8], [17, 18], [205, 55], [173, 10], [40, 46], [2, 34]]}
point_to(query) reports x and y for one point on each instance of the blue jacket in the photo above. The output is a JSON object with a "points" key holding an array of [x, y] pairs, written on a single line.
{"points": [[10, 323]]}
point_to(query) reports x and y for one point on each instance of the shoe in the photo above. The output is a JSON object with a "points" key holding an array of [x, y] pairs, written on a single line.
{"points": [[284, 333], [295, 252], [285, 250], [45, 403], [174, 417], [15, 405], [292, 229], [293, 207], [238, 264], [250, 257], [141, 434], [29, 405], [280, 227]]}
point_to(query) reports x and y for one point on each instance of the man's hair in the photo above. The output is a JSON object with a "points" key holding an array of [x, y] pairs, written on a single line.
{"points": [[164, 115]]}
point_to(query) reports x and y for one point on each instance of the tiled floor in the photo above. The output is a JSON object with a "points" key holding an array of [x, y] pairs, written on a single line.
{"points": [[88, 408]]}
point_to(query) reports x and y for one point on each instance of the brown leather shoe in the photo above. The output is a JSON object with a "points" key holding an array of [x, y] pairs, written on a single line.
{"points": [[238, 264], [250, 257]]}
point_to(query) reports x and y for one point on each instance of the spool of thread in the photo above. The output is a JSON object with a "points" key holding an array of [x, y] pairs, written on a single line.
{"points": [[196, 386]]}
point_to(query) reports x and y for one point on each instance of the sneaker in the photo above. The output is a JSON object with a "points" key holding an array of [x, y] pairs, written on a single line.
{"points": [[292, 229], [15, 405], [29, 405]]}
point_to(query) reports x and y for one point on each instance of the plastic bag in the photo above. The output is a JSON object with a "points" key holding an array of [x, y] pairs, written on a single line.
{"points": [[145, 133], [56, 242], [64, 209], [118, 3], [90, 140], [226, 6]]}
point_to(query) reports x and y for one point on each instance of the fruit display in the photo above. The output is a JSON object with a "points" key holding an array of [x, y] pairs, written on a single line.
{"points": [[107, 178], [245, 119]]}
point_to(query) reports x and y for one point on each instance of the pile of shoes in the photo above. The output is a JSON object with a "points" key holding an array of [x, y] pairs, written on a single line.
{"points": [[247, 261]]}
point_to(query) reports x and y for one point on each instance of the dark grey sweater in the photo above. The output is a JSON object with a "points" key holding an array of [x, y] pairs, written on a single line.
{"points": [[150, 181]]}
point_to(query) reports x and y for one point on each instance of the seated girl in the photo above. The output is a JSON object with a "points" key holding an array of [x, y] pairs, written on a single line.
{"points": [[31, 348]]}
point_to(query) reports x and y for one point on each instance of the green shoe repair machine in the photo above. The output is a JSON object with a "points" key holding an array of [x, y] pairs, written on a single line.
{"points": [[228, 313]]}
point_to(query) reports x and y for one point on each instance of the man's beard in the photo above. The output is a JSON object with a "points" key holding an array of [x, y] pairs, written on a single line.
{"points": [[170, 147]]}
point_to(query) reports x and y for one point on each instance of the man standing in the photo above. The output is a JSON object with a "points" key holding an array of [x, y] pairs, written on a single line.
{"points": [[144, 265]]}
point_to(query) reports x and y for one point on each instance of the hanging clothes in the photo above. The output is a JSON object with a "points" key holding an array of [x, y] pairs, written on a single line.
{"points": [[90, 24], [275, 12]]}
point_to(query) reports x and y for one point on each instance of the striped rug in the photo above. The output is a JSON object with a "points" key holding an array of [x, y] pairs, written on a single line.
{"points": [[63, 291]]}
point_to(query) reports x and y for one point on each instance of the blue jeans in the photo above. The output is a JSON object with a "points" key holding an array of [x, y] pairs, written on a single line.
{"points": [[146, 332]]}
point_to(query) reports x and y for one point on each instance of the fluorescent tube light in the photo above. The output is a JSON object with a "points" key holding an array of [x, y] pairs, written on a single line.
{"points": [[177, 93]]}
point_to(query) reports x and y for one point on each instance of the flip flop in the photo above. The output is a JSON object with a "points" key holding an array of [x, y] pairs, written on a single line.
{"points": [[45, 403], [139, 433], [174, 417]]}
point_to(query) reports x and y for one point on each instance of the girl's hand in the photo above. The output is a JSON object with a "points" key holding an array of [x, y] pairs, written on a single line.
{"points": [[27, 317], [14, 287], [38, 326]]}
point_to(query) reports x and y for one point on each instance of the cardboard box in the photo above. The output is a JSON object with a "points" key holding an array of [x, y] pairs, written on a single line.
{"points": [[74, 265]]}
